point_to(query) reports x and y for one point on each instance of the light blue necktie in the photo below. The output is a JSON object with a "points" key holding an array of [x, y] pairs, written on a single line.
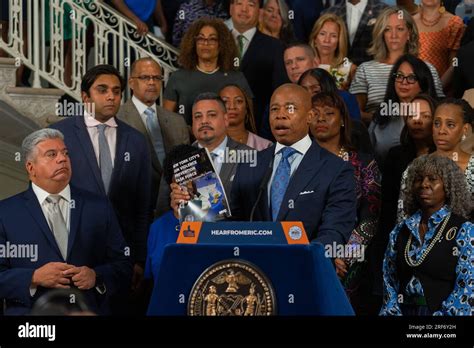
{"points": [[154, 131], [280, 180], [105, 159]]}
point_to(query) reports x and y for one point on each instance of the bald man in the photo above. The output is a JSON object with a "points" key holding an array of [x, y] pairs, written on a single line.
{"points": [[163, 129], [296, 179]]}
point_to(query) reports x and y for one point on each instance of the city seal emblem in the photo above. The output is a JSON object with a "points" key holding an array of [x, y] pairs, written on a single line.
{"points": [[232, 288]]}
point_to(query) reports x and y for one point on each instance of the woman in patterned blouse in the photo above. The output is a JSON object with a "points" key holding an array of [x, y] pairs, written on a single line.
{"points": [[440, 37], [428, 267], [331, 127]]}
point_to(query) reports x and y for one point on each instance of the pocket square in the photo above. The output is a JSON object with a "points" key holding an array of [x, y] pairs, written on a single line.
{"points": [[306, 192]]}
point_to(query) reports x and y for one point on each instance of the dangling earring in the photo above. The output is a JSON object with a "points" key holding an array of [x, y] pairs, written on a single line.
{"points": [[463, 137], [442, 9]]}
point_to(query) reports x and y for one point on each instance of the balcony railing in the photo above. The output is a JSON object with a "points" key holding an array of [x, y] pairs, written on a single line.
{"points": [[98, 35]]}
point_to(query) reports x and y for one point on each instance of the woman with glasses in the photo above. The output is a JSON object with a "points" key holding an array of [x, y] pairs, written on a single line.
{"points": [[427, 269], [331, 128], [274, 20], [394, 34], [408, 77], [208, 55], [416, 140]]}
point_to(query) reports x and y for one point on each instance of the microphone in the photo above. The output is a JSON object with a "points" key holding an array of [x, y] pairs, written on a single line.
{"points": [[263, 184]]}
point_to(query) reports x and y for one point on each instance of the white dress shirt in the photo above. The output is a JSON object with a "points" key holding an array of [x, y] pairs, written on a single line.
{"points": [[248, 35], [141, 107], [302, 146], [110, 134], [64, 206], [354, 14], [219, 152]]}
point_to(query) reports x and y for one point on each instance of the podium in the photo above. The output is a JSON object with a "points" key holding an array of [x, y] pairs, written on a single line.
{"points": [[303, 279]]}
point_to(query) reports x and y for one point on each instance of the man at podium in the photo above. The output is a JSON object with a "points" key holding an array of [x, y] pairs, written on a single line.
{"points": [[295, 179]]}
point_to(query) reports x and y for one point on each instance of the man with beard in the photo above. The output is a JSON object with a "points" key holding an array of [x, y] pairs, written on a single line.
{"points": [[210, 123]]}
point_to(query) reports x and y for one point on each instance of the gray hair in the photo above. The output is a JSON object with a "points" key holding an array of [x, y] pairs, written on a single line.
{"points": [[458, 198], [28, 146]]}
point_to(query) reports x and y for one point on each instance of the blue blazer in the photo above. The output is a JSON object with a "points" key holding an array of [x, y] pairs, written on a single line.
{"points": [[95, 241], [322, 189], [130, 186]]}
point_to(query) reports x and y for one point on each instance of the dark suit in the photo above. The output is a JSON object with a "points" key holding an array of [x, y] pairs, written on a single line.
{"points": [[463, 78], [322, 190], [264, 70], [306, 13], [174, 132], [357, 52], [129, 190], [94, 241]]}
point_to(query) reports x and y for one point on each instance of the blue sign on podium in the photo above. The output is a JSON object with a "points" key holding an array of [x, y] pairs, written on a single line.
{"points": [[231, 268]]}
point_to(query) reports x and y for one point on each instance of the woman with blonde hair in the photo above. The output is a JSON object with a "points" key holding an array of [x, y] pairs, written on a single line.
{"points": [[394, 34], [329, 40]]}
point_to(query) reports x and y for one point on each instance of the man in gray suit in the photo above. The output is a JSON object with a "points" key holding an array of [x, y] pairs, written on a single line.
{"points": [[163, 129]]}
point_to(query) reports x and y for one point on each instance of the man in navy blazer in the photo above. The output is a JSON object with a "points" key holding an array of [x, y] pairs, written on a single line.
{"points": [[88, 252], [128, 183], [321, 190]]}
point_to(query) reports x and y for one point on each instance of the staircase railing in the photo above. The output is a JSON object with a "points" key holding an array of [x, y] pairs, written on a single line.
{"points": [[98, 35]]}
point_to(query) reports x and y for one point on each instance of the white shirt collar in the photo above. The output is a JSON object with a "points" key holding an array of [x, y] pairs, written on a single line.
{"points": [[302, 145], [360, 5], [141, 107], [91, 121], [42, 194], [220, 149], [249, 34]]}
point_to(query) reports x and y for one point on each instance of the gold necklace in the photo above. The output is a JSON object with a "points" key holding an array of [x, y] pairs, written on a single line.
{"points": [[412, 263], [343, 153], [428, 22]]}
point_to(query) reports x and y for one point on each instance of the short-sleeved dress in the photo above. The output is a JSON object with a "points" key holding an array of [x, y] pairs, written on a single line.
{"points": [[435, 46]]}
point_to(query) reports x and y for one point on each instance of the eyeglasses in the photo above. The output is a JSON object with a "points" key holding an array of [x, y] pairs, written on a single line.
{"points": [[206, 40], [145, 78], [411, 79]]}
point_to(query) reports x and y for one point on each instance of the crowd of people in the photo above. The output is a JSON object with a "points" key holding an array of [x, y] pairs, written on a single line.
{"points": [[360, 133]]}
